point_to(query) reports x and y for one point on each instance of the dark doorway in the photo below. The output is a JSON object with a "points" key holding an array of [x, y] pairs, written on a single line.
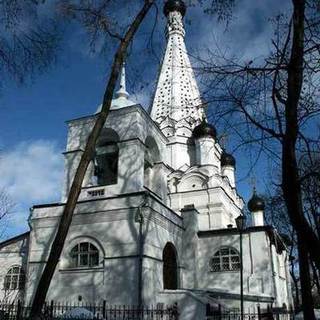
{"points": [[170, 267]]}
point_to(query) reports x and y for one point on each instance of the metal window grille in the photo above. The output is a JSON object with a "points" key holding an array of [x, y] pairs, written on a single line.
{"points": [[14, 279], [226, 259], [85, 254]]}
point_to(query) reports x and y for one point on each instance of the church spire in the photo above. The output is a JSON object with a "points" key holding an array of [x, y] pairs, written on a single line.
{"points": [[122, 97], [177, 97]]}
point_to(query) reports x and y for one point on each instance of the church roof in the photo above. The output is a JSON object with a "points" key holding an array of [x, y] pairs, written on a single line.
{"points": [[227, 159], [177, 95], [174, 5], [256, 203], [14, 239], [204, 129]]}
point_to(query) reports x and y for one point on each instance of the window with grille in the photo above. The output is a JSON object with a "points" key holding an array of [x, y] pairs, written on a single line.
{"points": [[84, 254], [14, 279], [226, 259]]}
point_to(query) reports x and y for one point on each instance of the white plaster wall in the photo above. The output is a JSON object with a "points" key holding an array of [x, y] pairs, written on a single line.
{"points": [[133, 126], [259, 277], [158, 231], [229, 172], [14, 254], [216, 208], [115, 233], [255, 263], [112, 226], [179, 152], [206, 152], [281, 278], [190, 306]]}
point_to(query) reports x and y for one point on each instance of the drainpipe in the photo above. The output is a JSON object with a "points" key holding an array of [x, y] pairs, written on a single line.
{"points": [[251, 256], [139, 219], [27, 269]]}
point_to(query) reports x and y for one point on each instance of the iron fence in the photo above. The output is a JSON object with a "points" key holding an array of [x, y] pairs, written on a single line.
{"points": [[83, 311], [251, 316], [217, 313]]}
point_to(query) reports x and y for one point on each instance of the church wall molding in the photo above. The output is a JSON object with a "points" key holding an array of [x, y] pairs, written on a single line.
{"points": [[72, 151]]}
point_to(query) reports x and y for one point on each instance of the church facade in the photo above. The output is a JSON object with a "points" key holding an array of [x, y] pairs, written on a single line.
{"points": [[156, 218]]}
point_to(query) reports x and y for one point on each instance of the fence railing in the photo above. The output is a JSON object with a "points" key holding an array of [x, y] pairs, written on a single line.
{"points": [[102, 311], [251, 316], [73, 311], [268, 314]]}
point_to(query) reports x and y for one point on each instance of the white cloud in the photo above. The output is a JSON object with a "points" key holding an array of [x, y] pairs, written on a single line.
{"points": [[31, 173], [143, 98]]}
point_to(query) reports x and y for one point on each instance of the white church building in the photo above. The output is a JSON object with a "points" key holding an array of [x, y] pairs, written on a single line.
{"points": [[155, 220]]}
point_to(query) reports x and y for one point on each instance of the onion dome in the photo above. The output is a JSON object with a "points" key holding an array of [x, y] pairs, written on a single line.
{"points": [[204, 129], [227, 160], [256, 203], [174, 5]]}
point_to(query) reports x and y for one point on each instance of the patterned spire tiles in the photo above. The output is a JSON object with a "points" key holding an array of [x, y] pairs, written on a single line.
{"points": [[177, 95]]}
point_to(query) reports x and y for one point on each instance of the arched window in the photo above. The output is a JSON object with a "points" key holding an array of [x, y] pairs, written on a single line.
{"points": [[84, 254], [106, 159], [170, 267], [226, 259], [14, 279]]}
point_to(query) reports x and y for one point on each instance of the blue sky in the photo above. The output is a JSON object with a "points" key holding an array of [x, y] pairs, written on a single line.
{"points": [[32, 116]]}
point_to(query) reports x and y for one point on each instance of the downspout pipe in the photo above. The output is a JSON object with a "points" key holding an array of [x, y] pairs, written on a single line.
{"points": [[139, 219], [273, 272]]}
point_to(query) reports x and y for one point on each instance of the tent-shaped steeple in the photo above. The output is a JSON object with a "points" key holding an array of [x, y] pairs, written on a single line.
{"points": [[177, 96]]}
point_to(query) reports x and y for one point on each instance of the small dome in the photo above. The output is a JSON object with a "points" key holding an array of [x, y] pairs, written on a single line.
{"points": [[204, 129], [256, 203], [227, 160], [174, 5]]}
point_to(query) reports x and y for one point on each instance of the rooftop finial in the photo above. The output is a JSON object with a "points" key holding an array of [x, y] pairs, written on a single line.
{"points": [[174, 5], [122, 92], [121, 96], [253, 183]]}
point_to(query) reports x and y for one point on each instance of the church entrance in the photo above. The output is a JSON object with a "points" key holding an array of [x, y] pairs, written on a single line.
{"points": [[170, 267]]}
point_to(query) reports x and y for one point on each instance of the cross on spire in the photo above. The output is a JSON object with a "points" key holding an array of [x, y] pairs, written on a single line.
{"points": [[253, 183]]}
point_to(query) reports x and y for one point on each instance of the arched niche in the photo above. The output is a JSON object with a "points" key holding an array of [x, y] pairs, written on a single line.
{"points": [[152, 153], [192, 181], [151, 157], [107, 158], [170, 267], [191, 151]]}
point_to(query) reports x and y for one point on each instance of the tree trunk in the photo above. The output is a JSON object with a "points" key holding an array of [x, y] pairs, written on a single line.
{"points": [[296, 288], [305, 281], [290, 176], [66, 218]]}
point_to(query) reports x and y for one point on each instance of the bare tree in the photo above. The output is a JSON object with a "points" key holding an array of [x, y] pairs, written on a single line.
{"points": [[6, 207], [276, 214], [276, 102], [87, 156], [28, 40]]}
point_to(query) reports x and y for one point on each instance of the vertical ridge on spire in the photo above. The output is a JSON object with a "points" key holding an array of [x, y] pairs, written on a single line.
{"points": [[177, 96], [122, 92]]}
